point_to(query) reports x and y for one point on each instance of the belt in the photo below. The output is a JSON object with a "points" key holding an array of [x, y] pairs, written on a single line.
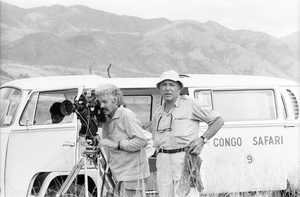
{"points": [[172, 151]]}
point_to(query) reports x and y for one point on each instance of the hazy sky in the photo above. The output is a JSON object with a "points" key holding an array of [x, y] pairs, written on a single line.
{"points": [[278, 18]]}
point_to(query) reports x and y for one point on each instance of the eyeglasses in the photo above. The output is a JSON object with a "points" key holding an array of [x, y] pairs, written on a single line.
{"points": [[168, 129]]}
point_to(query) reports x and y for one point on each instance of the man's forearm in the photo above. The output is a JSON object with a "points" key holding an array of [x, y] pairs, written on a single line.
{"points": [[133, 144], [214, 128]]}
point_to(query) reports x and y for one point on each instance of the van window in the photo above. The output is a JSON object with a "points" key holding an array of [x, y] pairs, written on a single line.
{"points": [[241, 105], [27, 117], [205, 97], [37, 110], [9, 104], [140, 105]]}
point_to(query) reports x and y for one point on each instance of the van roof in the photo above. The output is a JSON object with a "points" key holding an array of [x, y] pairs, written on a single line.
{"points": [[190, 80]]}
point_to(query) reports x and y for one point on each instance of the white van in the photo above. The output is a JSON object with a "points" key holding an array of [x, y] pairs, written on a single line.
{"points": [[257, 149]]}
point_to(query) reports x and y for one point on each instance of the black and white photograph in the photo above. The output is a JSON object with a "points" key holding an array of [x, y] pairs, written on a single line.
{"points": [[140, 98]]}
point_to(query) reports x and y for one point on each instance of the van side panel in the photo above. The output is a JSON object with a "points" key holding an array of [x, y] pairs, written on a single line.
{"points": [[244, 158], [248, 153]]}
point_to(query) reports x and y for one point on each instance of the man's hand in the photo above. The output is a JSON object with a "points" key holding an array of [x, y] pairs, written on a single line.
{"points": [[196, 146]]}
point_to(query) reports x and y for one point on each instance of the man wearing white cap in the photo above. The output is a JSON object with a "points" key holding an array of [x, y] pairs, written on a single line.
{"points": [[176, 135]]}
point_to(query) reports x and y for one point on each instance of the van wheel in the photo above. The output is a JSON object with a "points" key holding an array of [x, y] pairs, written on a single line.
{"points": [[75, 190]]}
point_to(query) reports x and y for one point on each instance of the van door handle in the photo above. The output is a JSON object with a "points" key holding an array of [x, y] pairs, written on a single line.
{"points": [[71, 144], [289, 126]]}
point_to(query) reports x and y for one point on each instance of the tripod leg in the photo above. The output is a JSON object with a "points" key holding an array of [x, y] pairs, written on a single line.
{"points": [[98, 178], [73, 174], [107, 180], [86, 180]]}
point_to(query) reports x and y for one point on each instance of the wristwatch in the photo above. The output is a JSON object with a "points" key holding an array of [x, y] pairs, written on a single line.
{"points": [[119, 145], [204, 139]]}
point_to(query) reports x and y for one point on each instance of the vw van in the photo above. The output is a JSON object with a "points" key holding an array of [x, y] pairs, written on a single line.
{"points": [[257, 149]]}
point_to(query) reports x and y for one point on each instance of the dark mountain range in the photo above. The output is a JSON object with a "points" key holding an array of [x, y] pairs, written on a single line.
{"points": [[60, 40]]}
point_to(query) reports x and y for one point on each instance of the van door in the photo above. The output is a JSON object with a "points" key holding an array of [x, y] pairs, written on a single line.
{"points": [[38, 145], [248, 152]]}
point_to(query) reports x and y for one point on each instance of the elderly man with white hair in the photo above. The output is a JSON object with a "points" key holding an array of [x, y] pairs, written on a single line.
{"points": [[125, 140]]}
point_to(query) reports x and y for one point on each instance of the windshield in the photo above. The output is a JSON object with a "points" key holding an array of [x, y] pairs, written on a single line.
{"points": [[10, 99]]}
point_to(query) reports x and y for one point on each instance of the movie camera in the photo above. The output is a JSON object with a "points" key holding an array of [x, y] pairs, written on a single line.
{"points": [[88, 111]]}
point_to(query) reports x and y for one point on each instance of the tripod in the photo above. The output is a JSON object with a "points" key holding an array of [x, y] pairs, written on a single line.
{"points": [[95, 155], [89, 113]]}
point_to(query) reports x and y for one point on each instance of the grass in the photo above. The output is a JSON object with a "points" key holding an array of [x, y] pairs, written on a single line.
{"points": [[286, 193], [79, 191]]}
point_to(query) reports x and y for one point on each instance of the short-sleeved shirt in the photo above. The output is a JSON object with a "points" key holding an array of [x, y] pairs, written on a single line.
{"points": [[130, 163], [180, 126]]}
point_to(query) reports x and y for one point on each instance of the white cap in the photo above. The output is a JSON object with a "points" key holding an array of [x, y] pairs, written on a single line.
{"points": [[170, 75]]}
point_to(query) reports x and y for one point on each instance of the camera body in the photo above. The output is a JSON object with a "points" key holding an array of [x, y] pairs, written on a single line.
{"points": [[88, 111]]}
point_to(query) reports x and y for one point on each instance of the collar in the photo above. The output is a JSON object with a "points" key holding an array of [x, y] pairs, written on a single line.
{"points": [[118, 113], [176, 104]]}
